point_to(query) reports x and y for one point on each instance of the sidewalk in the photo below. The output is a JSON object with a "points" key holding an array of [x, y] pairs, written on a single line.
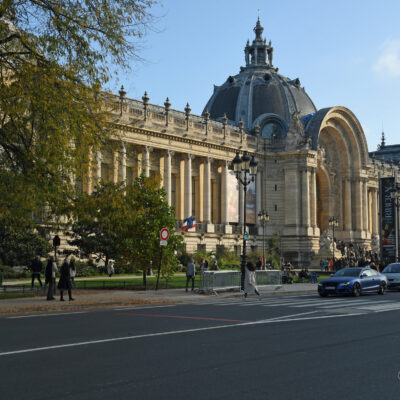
{"points": [[85, 299]]}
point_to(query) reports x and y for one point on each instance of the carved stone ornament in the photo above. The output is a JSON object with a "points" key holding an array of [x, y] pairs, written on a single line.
{"points": [[296, 138]]}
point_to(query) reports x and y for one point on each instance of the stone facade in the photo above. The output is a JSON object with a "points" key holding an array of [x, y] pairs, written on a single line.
{"points": [[311, 167]]}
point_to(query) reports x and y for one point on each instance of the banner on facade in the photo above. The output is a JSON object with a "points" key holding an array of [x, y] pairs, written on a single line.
{"points": [[233, 198], [388, 234], [251, 203]]}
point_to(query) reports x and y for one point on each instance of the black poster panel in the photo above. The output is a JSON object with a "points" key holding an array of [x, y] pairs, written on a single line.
{"points": [[388, 220]]}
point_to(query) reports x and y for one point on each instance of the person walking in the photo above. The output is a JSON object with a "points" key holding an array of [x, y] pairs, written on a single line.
{"points": [[250, 280], [190, 273], [65, 281], [72, 271], [36, 268], [51, 273]]}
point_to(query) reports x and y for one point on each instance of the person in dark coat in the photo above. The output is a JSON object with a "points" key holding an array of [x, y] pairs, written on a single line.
{"points": [[65, 281], [36, 268]]}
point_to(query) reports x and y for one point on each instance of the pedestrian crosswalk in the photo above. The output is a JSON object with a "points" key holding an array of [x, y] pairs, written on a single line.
{"points": [[370, 303]]}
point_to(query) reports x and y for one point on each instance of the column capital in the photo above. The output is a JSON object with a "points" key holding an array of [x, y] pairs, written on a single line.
{"points": [[189, 156], [148, 149], [170, 153]]}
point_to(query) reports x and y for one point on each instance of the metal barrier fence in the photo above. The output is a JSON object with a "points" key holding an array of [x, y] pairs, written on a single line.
{"points": [[212, 281]]}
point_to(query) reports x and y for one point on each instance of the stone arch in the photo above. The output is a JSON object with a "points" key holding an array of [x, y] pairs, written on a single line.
{"points": [[346, 125]]}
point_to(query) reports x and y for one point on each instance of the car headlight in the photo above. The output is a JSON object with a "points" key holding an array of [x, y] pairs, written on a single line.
{"points": [[345, 283]]}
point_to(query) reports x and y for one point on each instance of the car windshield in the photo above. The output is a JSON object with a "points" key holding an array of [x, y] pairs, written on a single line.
{"points": [[348, 272], [392, 268]]}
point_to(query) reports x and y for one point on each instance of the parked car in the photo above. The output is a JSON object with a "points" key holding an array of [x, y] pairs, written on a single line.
{"points": [[353, 281], [392, 273]]}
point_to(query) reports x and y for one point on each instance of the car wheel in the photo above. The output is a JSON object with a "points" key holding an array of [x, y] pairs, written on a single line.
{"points": [[382, 288], [356, 290], [323, 294]]}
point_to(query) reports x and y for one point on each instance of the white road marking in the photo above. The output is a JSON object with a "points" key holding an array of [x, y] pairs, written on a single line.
{"points": [[48, 315], [149, 335], [141, 307]]}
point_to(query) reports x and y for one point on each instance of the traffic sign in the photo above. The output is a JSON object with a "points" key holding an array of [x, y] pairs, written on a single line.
{"points": [[246, 236], [163, 242], [164, 234]]}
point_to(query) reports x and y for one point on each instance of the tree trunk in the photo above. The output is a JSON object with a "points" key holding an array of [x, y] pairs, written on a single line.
{"points": [[144, 279]]}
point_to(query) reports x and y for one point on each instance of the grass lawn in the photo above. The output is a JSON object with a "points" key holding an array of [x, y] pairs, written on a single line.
{"points": [[136, 283]]}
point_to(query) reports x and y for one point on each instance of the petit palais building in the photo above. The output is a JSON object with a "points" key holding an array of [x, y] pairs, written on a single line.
{"points": [[313, 164]]}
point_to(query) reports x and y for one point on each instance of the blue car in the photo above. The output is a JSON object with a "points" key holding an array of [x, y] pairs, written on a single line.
{"points": [[353, 281]]}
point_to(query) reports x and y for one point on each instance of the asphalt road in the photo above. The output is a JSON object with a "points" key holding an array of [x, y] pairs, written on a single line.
{"points": [[287, 347]]}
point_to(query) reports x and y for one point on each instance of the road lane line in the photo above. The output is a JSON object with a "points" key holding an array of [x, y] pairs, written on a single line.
{"points": [[184, 317], [47, 315], [158, 334]]}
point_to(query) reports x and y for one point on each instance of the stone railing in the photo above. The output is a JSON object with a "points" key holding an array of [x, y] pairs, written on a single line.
{"points": [[176, 122]]}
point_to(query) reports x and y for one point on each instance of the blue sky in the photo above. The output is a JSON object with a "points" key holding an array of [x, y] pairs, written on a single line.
{"points": [[344, 53]]}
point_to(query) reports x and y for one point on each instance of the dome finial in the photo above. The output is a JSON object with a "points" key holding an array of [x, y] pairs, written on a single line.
{"points": [[383, 144]]}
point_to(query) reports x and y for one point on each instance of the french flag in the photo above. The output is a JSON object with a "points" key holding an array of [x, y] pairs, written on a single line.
{"points": [[189, 223]]}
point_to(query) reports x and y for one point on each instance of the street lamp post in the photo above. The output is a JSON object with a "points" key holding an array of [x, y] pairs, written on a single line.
{"points": [[395, 195], [333, 222], [249, 168], [264, 217]]}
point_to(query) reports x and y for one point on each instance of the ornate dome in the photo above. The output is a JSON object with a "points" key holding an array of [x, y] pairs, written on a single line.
{"points": [[259, 95]]}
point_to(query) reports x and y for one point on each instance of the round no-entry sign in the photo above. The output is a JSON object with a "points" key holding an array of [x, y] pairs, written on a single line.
{"points": [[164, 234]]}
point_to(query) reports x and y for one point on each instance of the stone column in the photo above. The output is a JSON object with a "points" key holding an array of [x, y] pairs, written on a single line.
{"points": [[313, 199], [188, 185], [115, 166], [167, 174], [365, 205], [146, 160], [305, 197], [224, 193], [374, 211], [90, 173], [359, 204], [99, 159], [122, 163], [348, 226], [207, 190]]}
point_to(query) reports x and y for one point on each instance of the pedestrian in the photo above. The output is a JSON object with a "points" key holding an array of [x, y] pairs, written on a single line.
{"points": [[51, 272], [214, 266], [190, 273], [72, 271], [250, 280], [65, 281], [110, 268], [204, 265], [259, 264], [36, 268]]}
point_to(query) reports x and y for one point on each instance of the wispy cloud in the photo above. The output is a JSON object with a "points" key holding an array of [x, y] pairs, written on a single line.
{"points": [[388, 63]]}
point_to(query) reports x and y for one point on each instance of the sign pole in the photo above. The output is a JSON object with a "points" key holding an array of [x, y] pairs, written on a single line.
{"points": [[159, 267]]}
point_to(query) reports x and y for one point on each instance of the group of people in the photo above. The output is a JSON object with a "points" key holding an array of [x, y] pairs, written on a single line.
{"points": [[65, 282], [334, 264]]}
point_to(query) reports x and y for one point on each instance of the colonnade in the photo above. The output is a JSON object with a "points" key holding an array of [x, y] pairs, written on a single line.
{"points": [[195, 185]]}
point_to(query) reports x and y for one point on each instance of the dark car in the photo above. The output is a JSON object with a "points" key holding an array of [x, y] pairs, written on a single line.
{"points": [[353, 281]]}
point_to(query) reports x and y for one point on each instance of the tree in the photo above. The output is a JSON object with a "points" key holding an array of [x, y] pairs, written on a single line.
{"points": [[21, 246], [55, 56], [124, 223], [98, 221], [149, 212]]}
